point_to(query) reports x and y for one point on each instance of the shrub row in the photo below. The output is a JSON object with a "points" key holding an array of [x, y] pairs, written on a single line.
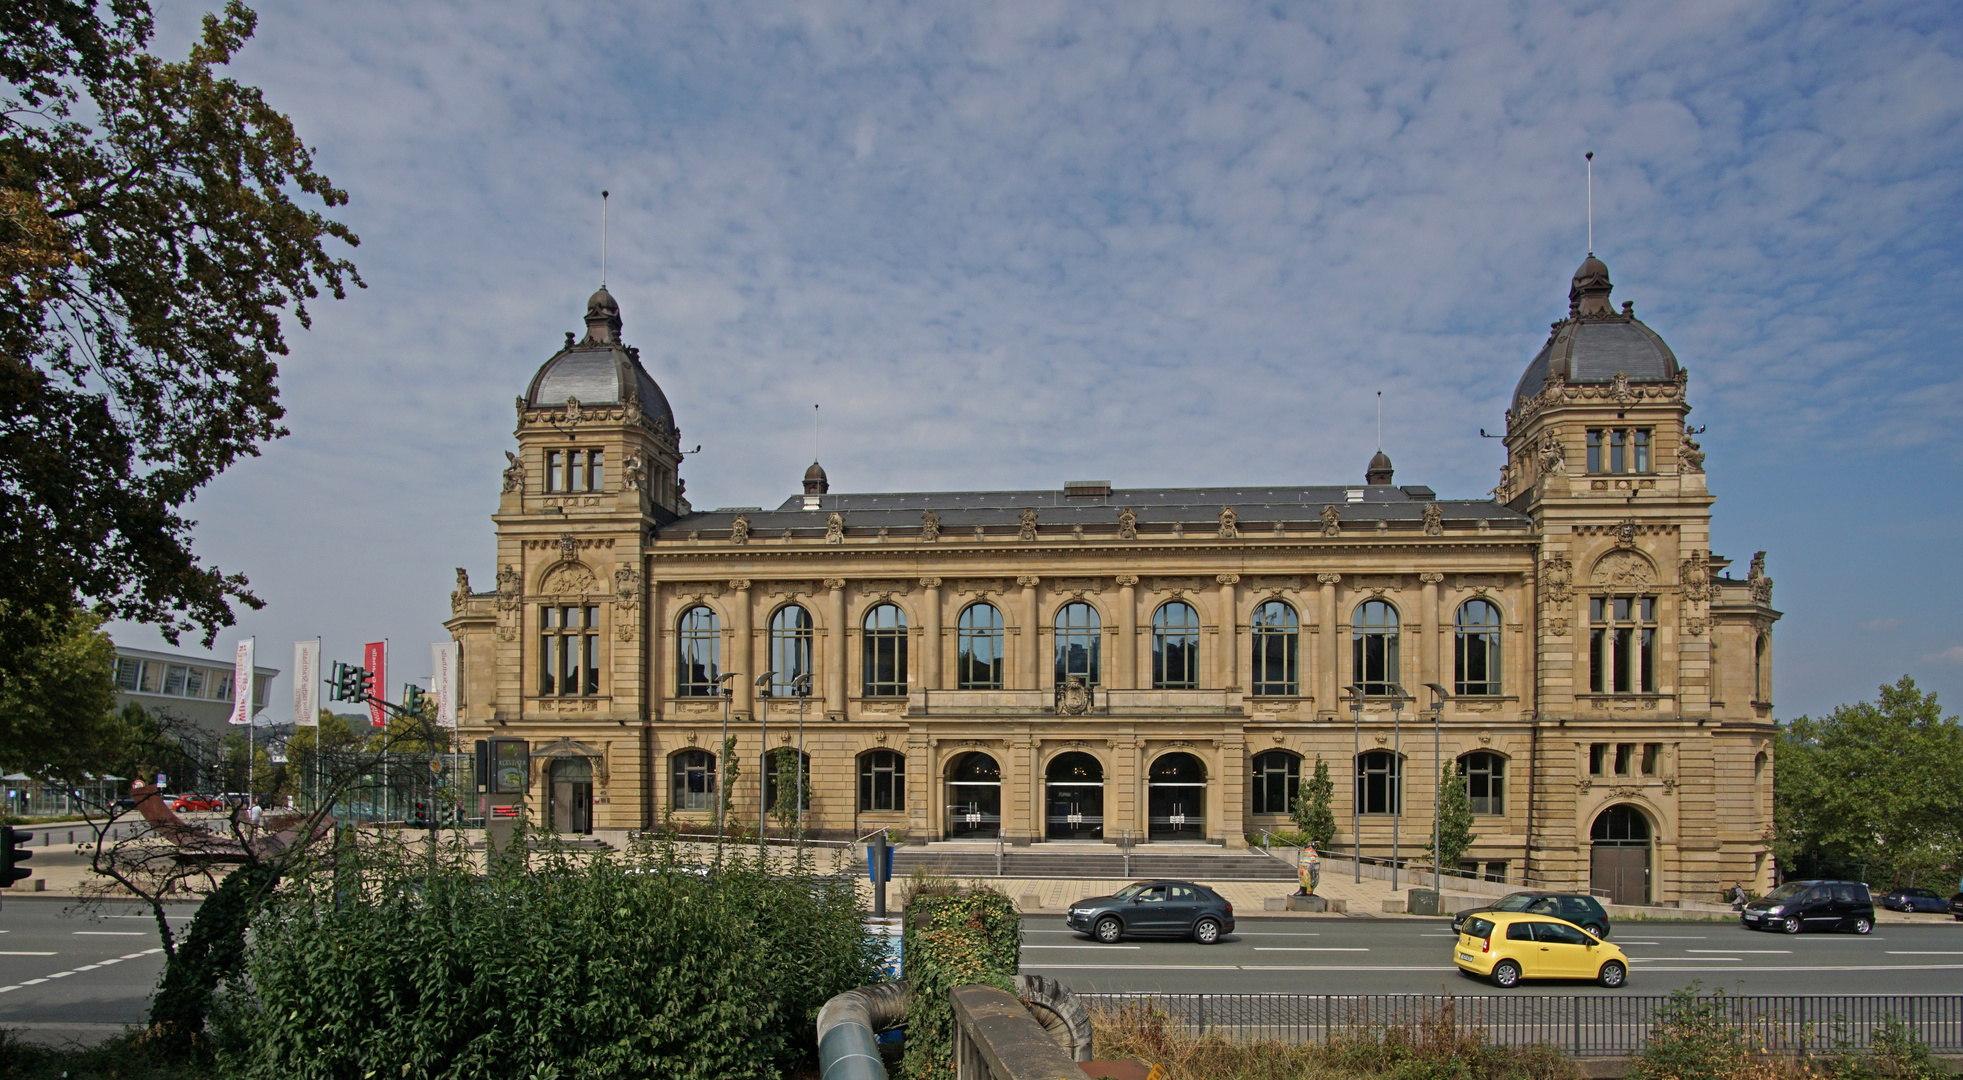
{"points": [[952, 938]]}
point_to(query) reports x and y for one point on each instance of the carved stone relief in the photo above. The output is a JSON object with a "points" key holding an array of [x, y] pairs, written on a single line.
{"points": [[1332, 521], [1557, 577], [1028, 530], [514, 473], [1127, 524], [1434, 520], [834, 529], [1695, 573], [1624, 570], [1229, 524], [739, 530], [930, 527]]}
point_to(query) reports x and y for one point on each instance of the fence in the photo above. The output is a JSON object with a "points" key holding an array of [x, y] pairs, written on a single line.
{"points": [[1583, 1025]]}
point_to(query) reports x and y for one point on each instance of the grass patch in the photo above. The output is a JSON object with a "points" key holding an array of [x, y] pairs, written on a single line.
{"points": [[124, 1057]]}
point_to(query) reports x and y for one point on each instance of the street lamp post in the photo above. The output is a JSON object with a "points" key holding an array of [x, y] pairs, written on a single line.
{"points": [[1397, 762], [762, 683], [727, 680], [1356, 788], [1438, 698], [801, 686]]}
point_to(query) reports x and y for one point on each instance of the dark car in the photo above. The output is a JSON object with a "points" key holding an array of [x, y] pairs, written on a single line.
{"points": [[1914, 900], [1154, 909], [1956, 906], [1580, 909], [1812, 905]]}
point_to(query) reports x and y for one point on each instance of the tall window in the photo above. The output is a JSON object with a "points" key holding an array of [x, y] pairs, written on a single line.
{"points": [[569, 651], [978, 665], [1375, 647], [1760, 692], [1175, 647], [1077, 642], [1485, 782], [1618, 450], [1277, 777], [1379, 783], [698, 644], [1622, 645], [1277, 637], [882, 781], [1476, 649], [694, 780], [885, 652], [790, 648], [575, 470], [786, 770]]}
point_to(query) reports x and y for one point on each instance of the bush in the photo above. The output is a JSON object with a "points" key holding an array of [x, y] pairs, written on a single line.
{"points": [[566, 969], [951, 939]]}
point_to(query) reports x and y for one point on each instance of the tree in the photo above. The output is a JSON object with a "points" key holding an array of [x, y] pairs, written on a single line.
{"points": [[150, 245], [58, 712], [1871, 789], [1312, 811], [1455, 834]]}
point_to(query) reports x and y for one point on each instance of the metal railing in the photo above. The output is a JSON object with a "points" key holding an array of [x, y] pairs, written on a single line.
{"points": [[1582, 1025]]}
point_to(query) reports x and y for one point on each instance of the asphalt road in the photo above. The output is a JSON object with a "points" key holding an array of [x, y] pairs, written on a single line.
{"points": [[1410, 956], [65, 968]]}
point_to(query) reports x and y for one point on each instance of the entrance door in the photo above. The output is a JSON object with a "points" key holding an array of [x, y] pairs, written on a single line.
{"points": [[974, 798], [1620, 863], [1074, 802], [1176, 799], [572, 796]]}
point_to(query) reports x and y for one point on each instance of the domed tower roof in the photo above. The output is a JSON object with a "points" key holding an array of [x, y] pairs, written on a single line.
{"points": [[815, 482], [1379, 471], [1595, 343], [600, 370]]}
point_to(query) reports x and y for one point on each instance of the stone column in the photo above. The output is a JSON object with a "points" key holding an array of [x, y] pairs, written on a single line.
{"points": [[1229, 638], [835, 650], [1032, 641], [930, 619], [1127, 650], [657, 649], [1433, 631], [743, 651], [1326, 679]]}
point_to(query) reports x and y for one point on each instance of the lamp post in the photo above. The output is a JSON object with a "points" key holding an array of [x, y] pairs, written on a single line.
{"points": [[727, 681], [1356, 788], [762, 683], [1438, 699], [1397, 762], [801, 686]]}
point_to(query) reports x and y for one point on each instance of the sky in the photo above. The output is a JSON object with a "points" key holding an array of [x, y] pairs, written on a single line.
{"points": [[1165, 244]]}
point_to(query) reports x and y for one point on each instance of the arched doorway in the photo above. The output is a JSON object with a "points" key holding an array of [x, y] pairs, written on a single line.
{"points": [[1075, 798], [974, 797], [1619, 860], [572, 795], [1176, 799]]}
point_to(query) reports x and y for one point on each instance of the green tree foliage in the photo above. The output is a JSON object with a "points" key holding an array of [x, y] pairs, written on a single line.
{"points": [[789, 783], [1872, 785], [964, 938], [58, 710], [150, 244], [1313, 810], [1455, 834]]}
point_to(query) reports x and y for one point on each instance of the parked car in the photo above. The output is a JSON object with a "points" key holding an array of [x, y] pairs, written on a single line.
{"points": [[1914, 900], [1956, 906], [1507, 947], [1812, 905], [192, 804], [1580, 909], [1154, 909]]}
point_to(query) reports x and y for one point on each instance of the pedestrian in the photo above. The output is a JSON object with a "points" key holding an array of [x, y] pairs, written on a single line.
{"points": [[255, 814], [1738, 896]]}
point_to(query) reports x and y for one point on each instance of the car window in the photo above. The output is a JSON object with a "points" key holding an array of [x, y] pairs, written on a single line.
{"points": [[1516, 902], [1127, 892], [1478, 928], [1559, 934], [1861, 894], [1185, 895], [1546, 905], [1520, 931], [1573, 905], [1844, 894], [1785, 892], [1154, 895], [1815, 896]]}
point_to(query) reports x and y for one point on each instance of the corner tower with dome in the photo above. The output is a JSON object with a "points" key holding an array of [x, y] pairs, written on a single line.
{"points": [[1091, 664]]}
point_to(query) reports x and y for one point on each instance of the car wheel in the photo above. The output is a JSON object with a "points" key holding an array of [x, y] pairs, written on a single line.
{"points": [[1613, 974], [1109, 930], [1506, 974], [1598, 930], [1206, 931], [1791, 925], [1863, 924]]}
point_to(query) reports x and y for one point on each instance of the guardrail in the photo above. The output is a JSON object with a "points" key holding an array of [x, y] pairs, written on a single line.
{"points": [[1582, 1025]]}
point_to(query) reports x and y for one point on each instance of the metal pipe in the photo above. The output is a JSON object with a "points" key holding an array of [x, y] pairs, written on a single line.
{"points": [[848, 1026], [1056, 1008]]}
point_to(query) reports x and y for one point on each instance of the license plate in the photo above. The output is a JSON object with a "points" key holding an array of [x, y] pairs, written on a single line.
{"points": [[1465, 956], [1751, 918]]}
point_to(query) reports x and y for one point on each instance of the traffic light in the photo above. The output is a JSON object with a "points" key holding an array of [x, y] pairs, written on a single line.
{"points": [[413, 699], [419, 817], [13, 852], [352, 683]]}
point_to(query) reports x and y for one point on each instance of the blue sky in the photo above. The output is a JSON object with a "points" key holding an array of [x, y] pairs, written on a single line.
{"points": [[1164, 244]]}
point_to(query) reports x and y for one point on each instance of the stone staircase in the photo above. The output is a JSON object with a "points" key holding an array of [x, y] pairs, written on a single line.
{"points": [[1085, 862]]}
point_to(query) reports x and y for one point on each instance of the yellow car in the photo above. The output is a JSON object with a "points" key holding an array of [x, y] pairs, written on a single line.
{"points": [[1507, 946]]}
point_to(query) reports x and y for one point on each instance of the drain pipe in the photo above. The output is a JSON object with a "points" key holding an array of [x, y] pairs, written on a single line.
{"points": [[1057, 1009], [847, 1026]]}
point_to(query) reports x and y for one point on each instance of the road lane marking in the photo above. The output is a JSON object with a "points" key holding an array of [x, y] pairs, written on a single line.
{"points": [[108, 933], [1686, 959], [1274, 933], [76, 971], [1297, 948], [1747, 952], [1692, 937], [27, 954], [1904, 952], [1080, 946], [1334, 967]]}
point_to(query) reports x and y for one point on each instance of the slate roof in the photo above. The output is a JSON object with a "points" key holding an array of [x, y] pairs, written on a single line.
{"points": [[1594, 352]]}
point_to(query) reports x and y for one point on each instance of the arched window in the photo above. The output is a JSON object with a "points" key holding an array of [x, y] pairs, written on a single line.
{"points": [[1175, 647], [1476, 649], [885, 652], [1277, 778], [882, 781], [695, 780], [1277, 637], [698, 644], [1077, 642], [1485, 781], [1375, 648], [1379, 783], [978, 665], [790, 649], [784, 771], [1620, 825]]}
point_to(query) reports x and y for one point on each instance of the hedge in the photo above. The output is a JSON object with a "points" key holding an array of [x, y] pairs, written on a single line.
{"points": [[952, 939]]}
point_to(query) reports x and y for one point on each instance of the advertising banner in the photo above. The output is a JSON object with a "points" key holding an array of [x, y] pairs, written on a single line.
{"points": [[306, 683], [443, 662], [375, 657], [242, 684]]}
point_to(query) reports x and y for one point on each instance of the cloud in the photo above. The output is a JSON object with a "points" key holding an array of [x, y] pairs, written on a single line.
{"points": [[1951, 655]]}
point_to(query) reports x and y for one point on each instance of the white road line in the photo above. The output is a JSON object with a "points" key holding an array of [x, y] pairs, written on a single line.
{"points": [[1686, 959], [28, 954], [1080, 946], [108, 933], [1228, 967], [1693, 937], [1904, 952], [77, 971], [1287, 948], [1274, 933], [1747, 952]]}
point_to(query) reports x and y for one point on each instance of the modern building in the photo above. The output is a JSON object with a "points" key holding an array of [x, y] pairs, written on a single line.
{"points": [[1093, 663], [193, 688]]}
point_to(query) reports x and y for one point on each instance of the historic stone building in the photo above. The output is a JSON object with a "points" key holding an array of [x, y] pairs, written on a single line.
{"points": [[1166, 664]]}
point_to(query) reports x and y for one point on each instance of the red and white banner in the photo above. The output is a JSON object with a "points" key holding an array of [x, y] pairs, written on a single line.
{"points": [[306, 683], [242, 684], [443, 662], [375, 657]]}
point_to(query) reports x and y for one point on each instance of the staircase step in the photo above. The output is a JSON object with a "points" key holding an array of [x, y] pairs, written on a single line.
{"points": [[1028, 864]]}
